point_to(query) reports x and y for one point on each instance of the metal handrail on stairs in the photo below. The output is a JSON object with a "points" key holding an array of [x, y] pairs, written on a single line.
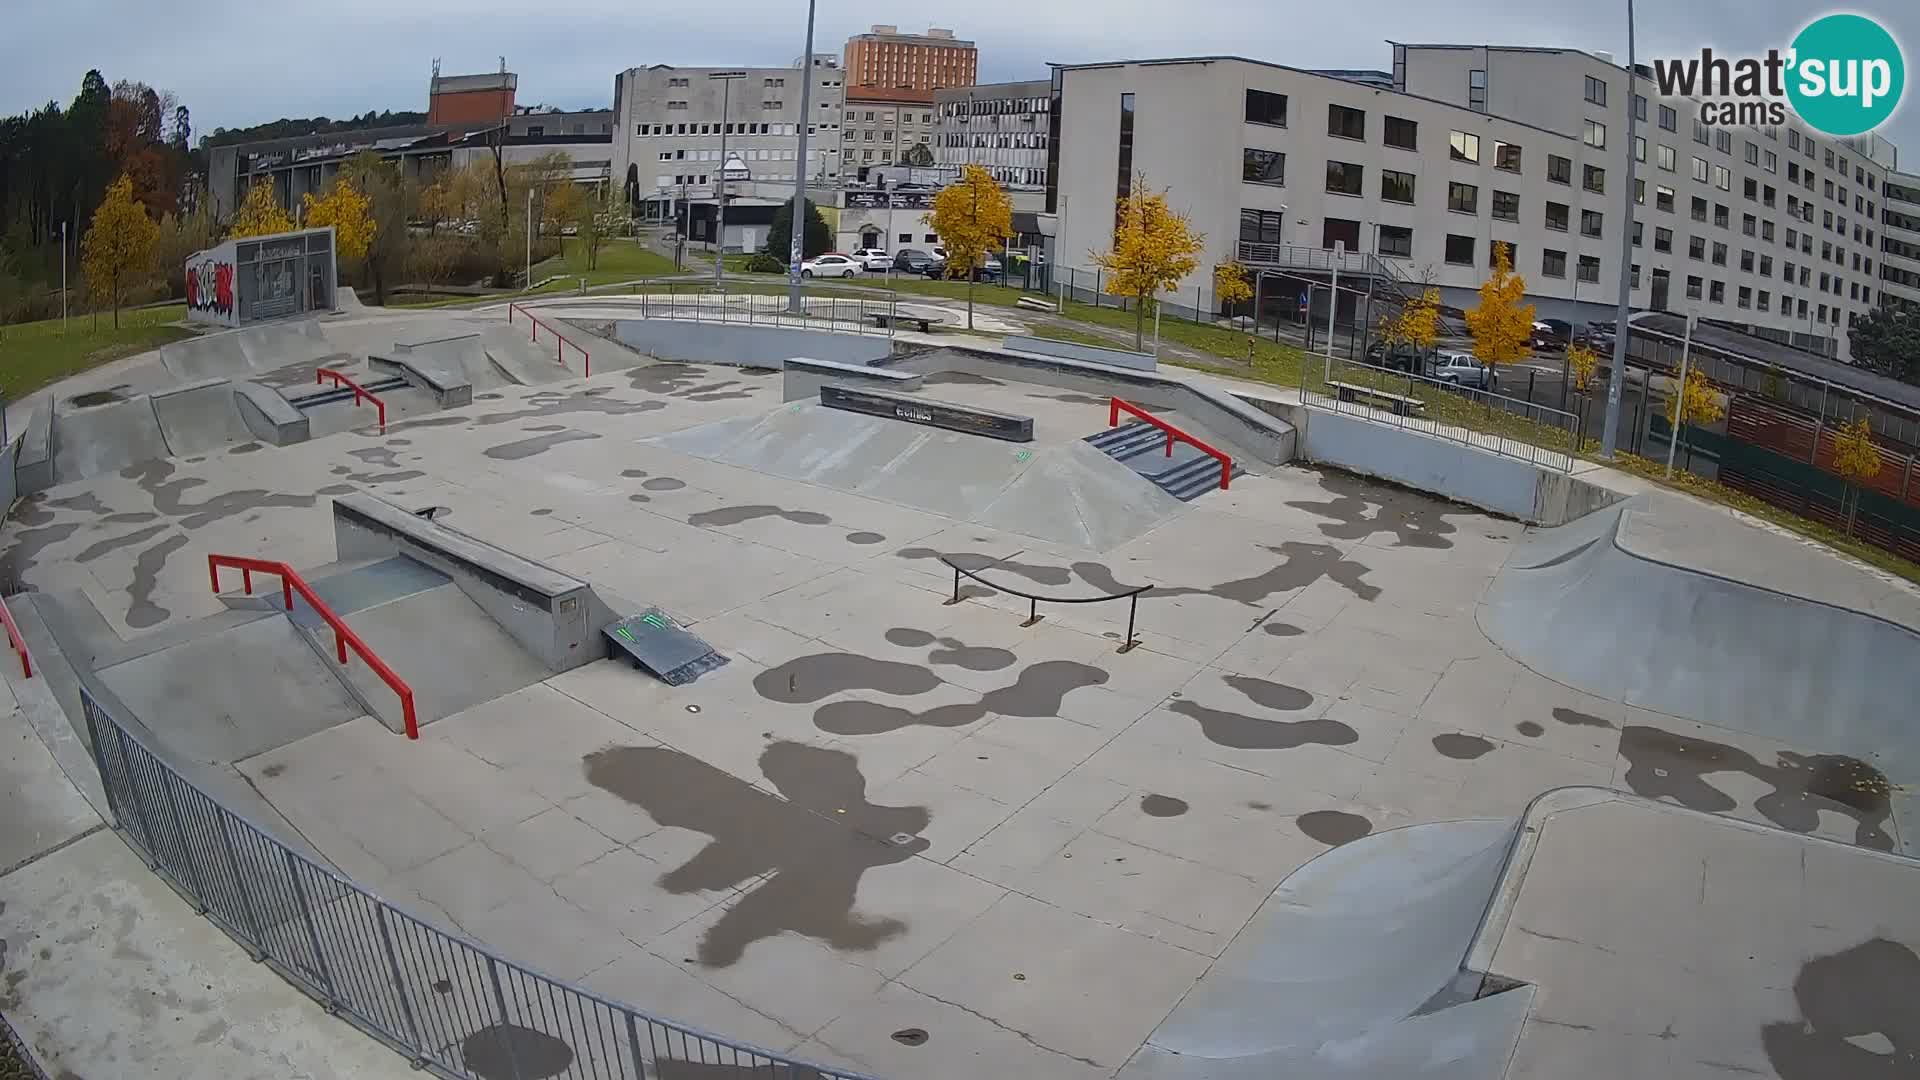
{"points": [[1116, 406]]}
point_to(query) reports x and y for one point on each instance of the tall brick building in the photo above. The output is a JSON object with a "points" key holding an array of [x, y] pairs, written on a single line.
{"points": [[884, 57], [468, 99]]}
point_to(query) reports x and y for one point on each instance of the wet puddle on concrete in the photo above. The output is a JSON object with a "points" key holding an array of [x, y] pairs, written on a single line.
{"points": [[1333, 827]]}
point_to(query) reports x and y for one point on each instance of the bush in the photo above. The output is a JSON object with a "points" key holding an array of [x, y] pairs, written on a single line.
{"points": [[764, 262]]}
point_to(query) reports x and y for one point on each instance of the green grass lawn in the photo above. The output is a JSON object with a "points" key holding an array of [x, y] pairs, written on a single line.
{"points": [[620, 259], [37, 353]]}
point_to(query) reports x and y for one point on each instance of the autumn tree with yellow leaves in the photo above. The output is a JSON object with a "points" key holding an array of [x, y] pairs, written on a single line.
{"points": [[1154, 249], [1856, 459], [1502, 323], [260, 213], [1417, 326], [118, 247], [1694, 402], [350, 212], [1231, 286], [1582, 362], [973, 217]]}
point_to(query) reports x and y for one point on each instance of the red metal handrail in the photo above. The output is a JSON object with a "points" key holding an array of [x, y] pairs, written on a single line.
{"points": [[340, 379], [586, 362], [1173, 433], [18, 640], [343, 635]]}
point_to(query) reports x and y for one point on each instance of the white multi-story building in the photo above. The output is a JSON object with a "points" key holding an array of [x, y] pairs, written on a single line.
{"points": [[1900, 241], [1468, 146], [1000, 126], [669, 123]]}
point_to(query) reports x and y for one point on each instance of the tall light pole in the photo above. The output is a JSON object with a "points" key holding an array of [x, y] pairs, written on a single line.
{"points": [[799, 229], [529, 237], [725, 79], [1617, 378], [63, 277]]}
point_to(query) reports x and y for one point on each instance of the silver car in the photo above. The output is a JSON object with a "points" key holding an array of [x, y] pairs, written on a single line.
{"points": [[1463, 370]]}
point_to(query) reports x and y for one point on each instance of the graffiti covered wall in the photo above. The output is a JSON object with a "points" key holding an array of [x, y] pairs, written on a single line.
{"points": [[210, 287]]}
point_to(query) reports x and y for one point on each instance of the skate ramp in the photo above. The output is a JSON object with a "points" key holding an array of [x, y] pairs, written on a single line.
{"points": [[463, 357], [104, 438], [1351, 969], [1582, 607], [210, 356], [277, 344], [516, 357], [201, 417], [1065, 493]]}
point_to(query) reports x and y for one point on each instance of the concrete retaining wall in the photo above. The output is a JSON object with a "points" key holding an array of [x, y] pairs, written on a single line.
{"points": [[804, 376], [553, 616], [9, 476], [1263, 436], [1450, 470], [744, 346], [33, 464], [1092, 354], [269, 415]]}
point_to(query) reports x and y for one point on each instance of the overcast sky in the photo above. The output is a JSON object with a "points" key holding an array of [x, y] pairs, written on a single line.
{"points": [[239, 62]]}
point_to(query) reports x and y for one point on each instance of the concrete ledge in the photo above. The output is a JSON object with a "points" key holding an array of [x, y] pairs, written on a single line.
{"points": [[1092, 354], [804, 376], [744, 346], [33, 463], [549, 613], [966, 419], [450, 387], [1265, 437], [269, 415]]}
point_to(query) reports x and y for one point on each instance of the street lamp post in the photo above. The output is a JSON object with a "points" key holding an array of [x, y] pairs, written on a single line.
{"points": [[726, 80], [529, 237], [799, 229], [1617, 378]]}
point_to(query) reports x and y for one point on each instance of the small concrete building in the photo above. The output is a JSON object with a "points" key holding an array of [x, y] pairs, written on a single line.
{"points": [[251, 279]]}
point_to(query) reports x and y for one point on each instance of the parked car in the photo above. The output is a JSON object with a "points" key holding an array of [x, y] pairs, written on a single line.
{"points": [[1552, 334], [1400, 357], [913, 261], [873, 260], [1463, 370], [829, 265]]}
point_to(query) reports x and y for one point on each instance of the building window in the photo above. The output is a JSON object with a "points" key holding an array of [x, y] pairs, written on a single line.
{"points": [[1663, 240], [1477, 90], [1695, 285], [1723, 140], [1263, 167], [1751, 151], [1746, 261], [1590, 222], [1748, 223], [1506, 206], [1506, 156], [1463, 147], [1669, 120], [1396, 186], [1663, 156], [1697, 248], [1702, 134], [1125, 186], [1719, 254], [1722, 179], [1553, 263], [1463, 198], [1663, 198], [1596, 135], [1767, 195], [1720, 214], [1639, 107], [1772, 163], [1345, 123], [1343, 177], [1700, 169], [1638, 233], [1590, 268], [1557, 216], [1596, 91], [1639, 148], [1765, 300], [1402, 133], [1459, 250], [1766, 266], [1594, 179], [1793, 139], [1395, 240], [1717, 292], [1266, 108], [1698, 209], [1559, 169], [1261, 226]]}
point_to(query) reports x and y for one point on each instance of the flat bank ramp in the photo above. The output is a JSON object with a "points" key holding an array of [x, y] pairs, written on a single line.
{"points": [[1348, 971], [200, 417], [1066, 493], [105, 438], [1582, 607]]}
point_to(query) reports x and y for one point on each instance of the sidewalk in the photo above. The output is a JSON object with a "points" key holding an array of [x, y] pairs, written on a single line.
{"points": [[105, 971]]}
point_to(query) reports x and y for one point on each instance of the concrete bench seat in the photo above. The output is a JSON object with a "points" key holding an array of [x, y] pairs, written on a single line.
{"points": [[1401, 404]]}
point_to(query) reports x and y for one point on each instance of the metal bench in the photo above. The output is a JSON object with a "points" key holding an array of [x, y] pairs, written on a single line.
{"points": [[884, 319], [1401, 404], [1036, 303]]}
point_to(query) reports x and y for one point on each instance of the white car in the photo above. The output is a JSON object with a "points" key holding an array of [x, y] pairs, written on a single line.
{"points": [[839, 266], [873, 259]]}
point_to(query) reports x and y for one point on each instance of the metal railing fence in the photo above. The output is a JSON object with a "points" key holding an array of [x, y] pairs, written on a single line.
{"points": [[1483, 419], [841, 314], [447, 1003]]}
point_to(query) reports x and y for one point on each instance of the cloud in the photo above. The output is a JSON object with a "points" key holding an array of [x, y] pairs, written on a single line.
{"points": [[233, 65]]}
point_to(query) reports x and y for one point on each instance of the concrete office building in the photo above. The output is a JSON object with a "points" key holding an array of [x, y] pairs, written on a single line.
{"points": [[1900, 241], [883, 125], [1771, 230], [669, 122], [886, 57], [1001, 126]]}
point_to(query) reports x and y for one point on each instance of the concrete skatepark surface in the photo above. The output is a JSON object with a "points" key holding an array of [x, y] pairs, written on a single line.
{"points": [[892, 814]]}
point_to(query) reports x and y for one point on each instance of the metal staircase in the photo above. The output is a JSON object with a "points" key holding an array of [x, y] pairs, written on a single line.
{"points": [[1186, 475]]}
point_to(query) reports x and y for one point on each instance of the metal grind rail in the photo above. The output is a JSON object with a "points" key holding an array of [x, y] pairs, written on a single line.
{"points": [[1173, 433], [17, 640], [340, 378], [452, 1006], [586, 361], [1131, 596], [343, 635]]}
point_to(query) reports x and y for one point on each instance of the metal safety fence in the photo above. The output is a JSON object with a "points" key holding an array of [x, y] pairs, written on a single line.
{"points": [[1481, 418], [449, 1004], [878, 314]]}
